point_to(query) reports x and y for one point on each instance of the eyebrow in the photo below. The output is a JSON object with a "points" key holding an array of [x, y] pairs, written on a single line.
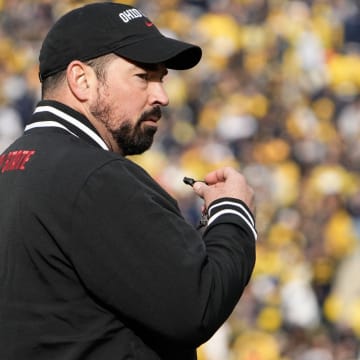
{"points": [[151, 67]]}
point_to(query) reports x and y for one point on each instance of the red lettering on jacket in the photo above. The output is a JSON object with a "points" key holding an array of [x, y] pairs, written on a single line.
{"points": [[15, 160]]}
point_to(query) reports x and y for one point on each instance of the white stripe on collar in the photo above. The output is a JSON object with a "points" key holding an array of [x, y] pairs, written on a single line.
{"points": [[70, 120], [39, 124]]}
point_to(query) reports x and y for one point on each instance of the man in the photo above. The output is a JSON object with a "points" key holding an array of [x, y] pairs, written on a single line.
{"points": [[96, 261]]}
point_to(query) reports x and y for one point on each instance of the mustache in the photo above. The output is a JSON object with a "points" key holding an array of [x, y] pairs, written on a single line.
{"points": [[153, 113]]}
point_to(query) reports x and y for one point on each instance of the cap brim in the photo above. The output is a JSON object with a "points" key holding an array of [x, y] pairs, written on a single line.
{"points": [[175, 54]]}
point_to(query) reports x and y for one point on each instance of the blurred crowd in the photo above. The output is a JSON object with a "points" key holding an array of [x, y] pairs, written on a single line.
{"points": [[276, 95]]}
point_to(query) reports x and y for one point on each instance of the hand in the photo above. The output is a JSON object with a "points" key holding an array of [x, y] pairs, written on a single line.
{"points": [[225, 182]]}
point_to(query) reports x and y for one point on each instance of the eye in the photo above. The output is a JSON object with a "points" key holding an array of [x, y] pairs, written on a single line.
{"points": [[143, 76], [150, 76]]}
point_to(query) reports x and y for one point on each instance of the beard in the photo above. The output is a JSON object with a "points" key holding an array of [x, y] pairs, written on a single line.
{"points": [[132, 139], [136, 139]]}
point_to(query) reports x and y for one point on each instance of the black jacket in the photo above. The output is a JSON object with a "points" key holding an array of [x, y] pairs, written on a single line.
{"points": [[96, 261]]}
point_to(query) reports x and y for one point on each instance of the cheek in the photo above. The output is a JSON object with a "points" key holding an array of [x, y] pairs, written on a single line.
{"points": [[120, 110], [126, 102], [131, 105], [130, 92]]}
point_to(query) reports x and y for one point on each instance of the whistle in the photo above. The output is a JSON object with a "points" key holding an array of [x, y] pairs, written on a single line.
{"points": [[190, 181]]}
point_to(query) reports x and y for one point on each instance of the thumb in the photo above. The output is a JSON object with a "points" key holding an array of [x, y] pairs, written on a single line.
{"points": [[199, 188]]}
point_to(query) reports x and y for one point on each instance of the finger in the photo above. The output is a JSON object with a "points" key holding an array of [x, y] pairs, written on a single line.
{"points": [[218, 175], [214, 177]]}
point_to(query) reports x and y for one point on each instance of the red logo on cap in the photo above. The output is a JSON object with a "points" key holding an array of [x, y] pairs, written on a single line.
{"points": [[148, 23]]}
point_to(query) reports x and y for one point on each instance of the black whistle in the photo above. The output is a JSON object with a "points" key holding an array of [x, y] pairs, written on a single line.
{"points": [[189, 181]]}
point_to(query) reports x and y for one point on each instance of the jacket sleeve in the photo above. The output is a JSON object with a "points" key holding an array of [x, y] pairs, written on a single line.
{"points": [[137, 255]]}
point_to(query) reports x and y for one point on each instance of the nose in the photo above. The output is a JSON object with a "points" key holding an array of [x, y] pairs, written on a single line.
{"points": [[158, 95]]}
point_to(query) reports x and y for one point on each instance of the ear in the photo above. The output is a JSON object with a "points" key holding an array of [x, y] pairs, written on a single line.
{"points": [[79, 78]]}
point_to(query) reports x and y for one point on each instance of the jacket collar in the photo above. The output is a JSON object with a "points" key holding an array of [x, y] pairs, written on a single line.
{"points": [[61, 116]]}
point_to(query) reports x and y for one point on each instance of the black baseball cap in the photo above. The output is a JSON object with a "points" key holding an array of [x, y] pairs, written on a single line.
{"points": [[102, 28]]}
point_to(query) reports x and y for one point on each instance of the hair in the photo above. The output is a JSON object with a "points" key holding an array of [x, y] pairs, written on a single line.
{"points": [[98, 64], [49, 84]]}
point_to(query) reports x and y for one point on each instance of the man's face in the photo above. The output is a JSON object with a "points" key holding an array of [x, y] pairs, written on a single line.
{"points": [[129, 102]]}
